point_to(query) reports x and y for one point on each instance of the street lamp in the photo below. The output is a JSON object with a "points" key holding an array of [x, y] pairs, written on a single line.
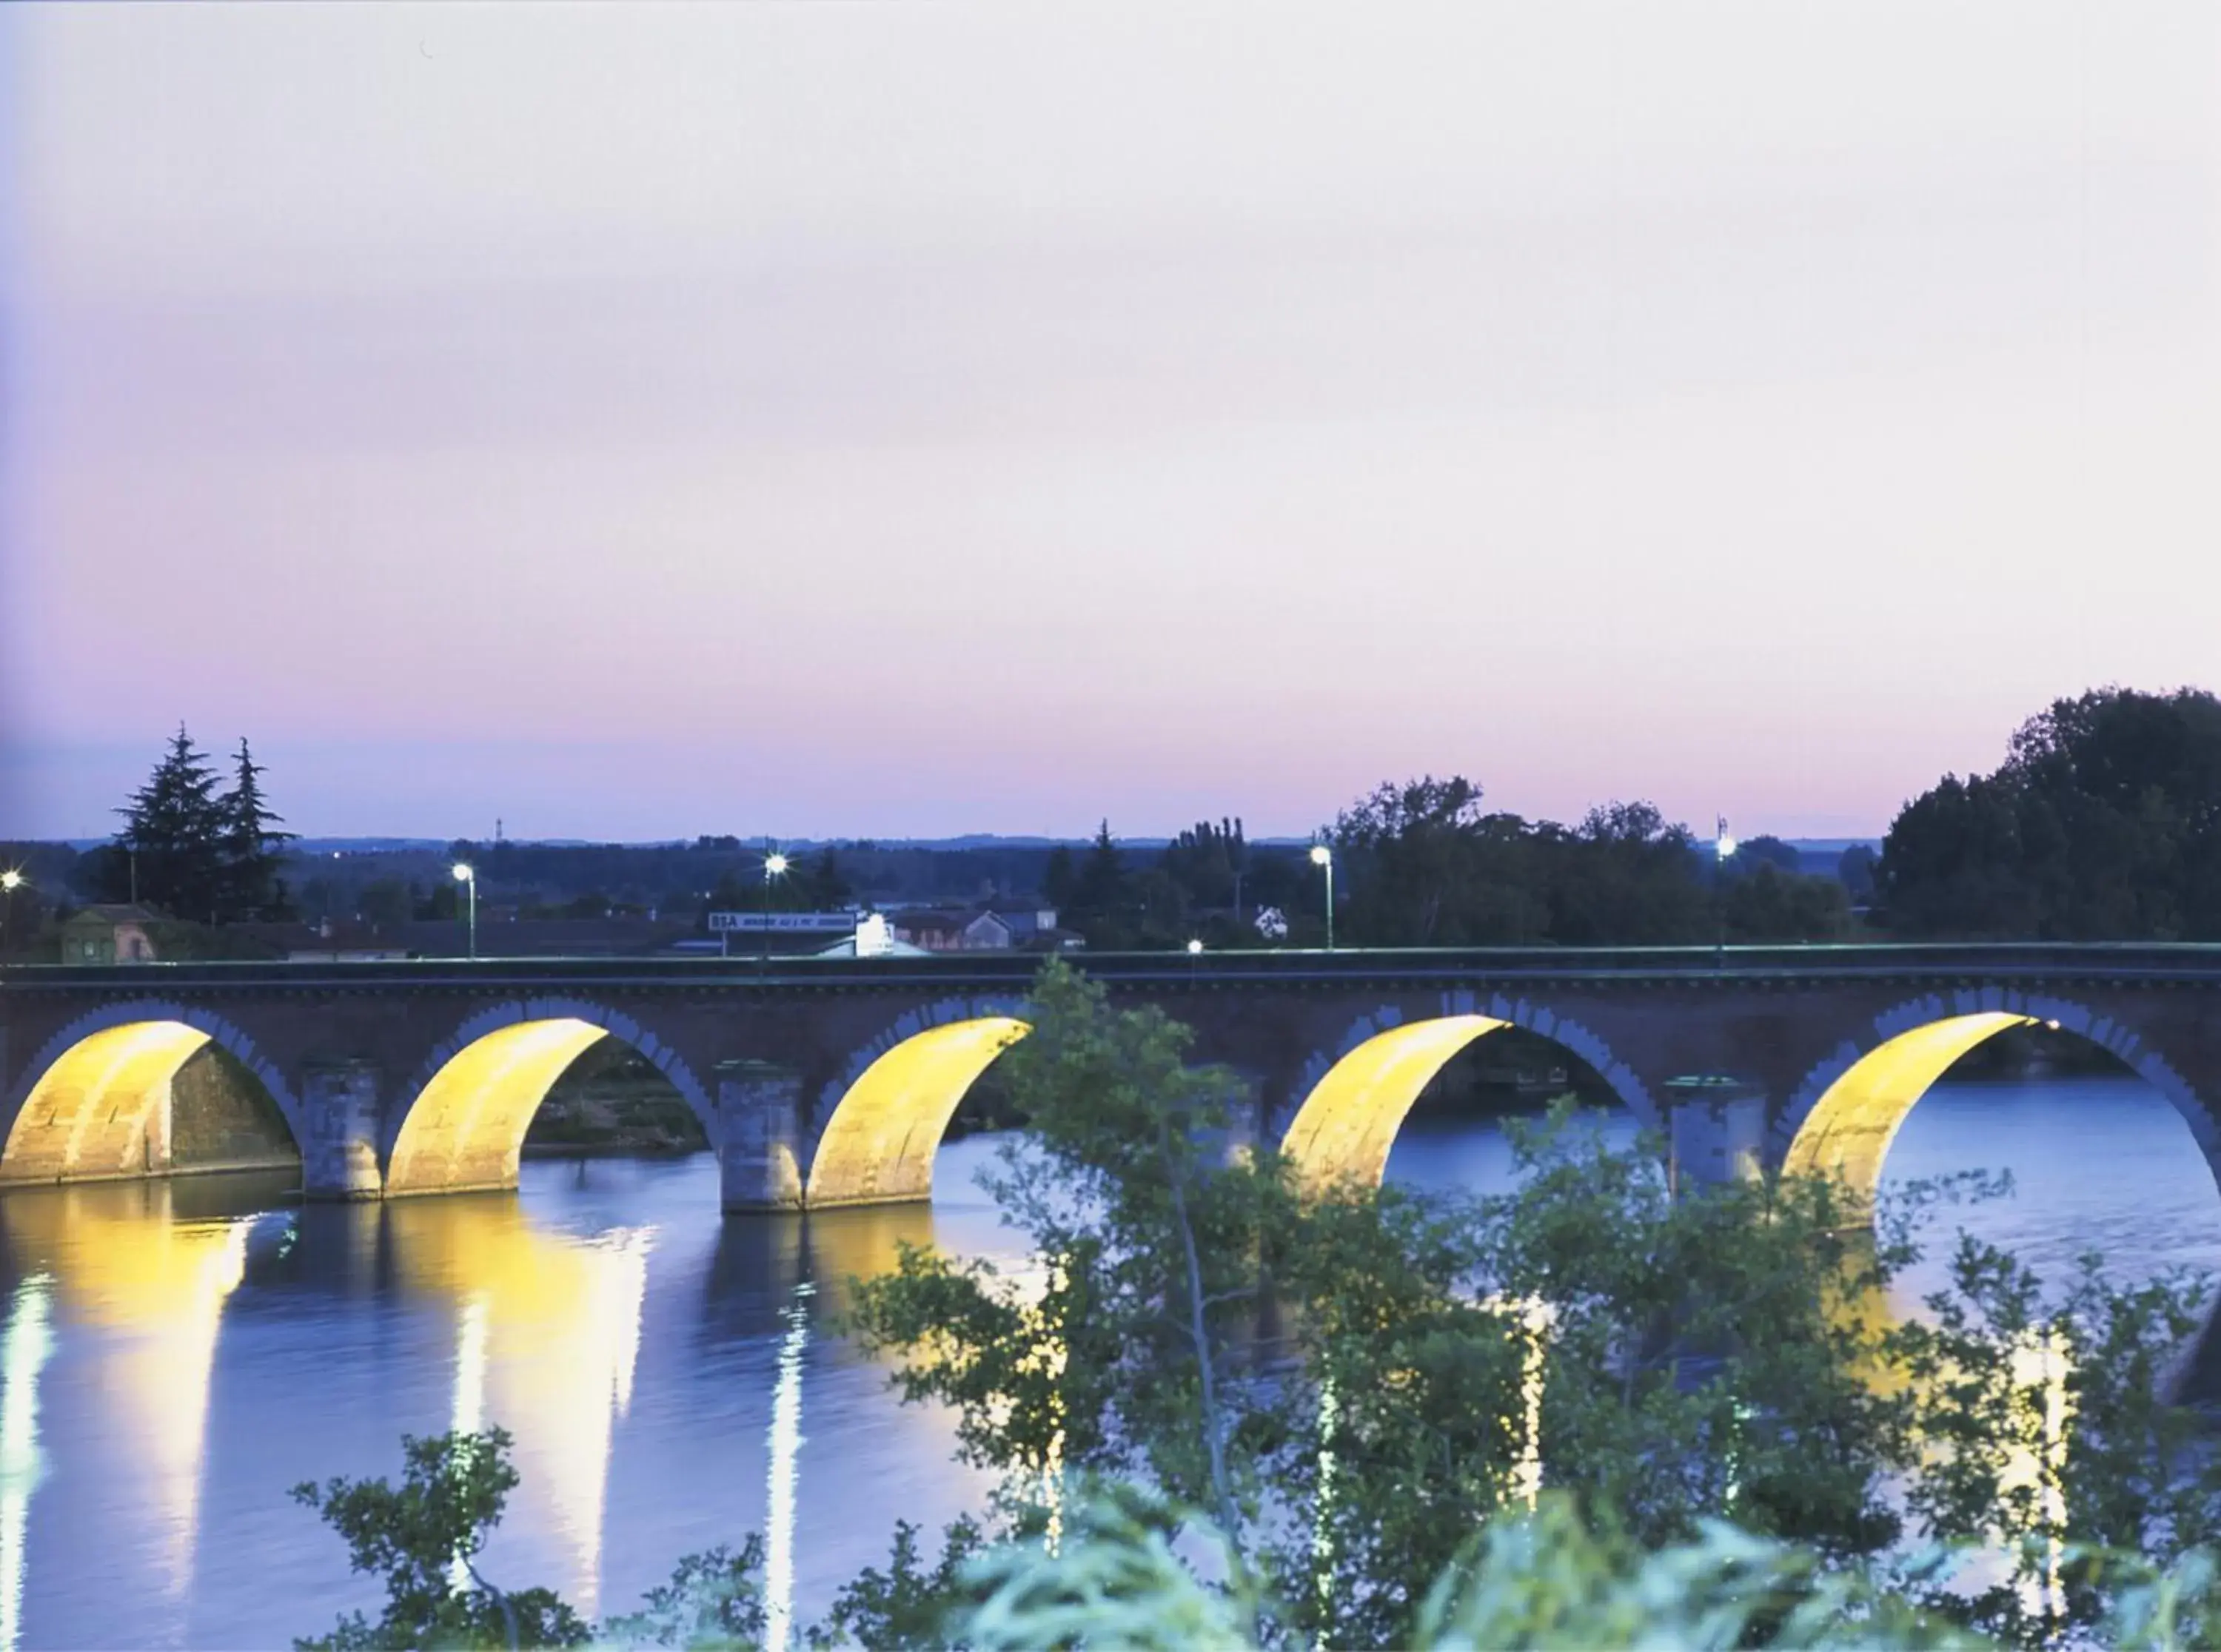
{"points": [[1322, 858], [467, 875], [1194, 948], [775, 865], [10, 881], [1723, 848]]}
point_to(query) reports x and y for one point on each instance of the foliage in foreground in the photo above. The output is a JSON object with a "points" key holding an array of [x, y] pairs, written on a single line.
{"points": [[1124, 1575], [1330, 1389], [423, 1539], [1348, 1380]]}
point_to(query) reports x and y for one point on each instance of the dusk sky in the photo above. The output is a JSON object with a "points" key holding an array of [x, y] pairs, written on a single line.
{"points": [[905, 419]]}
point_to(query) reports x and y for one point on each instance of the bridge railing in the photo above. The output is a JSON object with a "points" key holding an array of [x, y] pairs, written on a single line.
{"points": [[1968, 961]]}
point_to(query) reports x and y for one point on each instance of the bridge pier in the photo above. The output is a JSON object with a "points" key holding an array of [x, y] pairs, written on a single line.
{"points": [[1250, 1113], [1716, 1133], [759, 1136], [339, 1159]]}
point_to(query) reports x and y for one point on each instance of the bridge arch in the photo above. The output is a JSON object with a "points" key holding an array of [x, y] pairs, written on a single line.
{"points": [[1356, 1099], [95, 1098], [474, 1097], [1848, 1110], [881, 1121]]}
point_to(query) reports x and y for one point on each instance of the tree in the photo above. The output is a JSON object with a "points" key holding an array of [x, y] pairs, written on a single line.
{"points": [[1370, 1385], [1060, 880], [1527, 1579], [1117, 1361], [1408, 854], [713, 1603], [1102, 903], [1347, 1382], [250, 847], [423, 1540], [1766, 850], [823, 886], [1625, 877], [1772, 905], [386, 903], [2104, 823], [173, 830]]}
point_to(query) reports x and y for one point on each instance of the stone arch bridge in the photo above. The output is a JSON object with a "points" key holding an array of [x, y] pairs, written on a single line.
{"points": [[824, 1082]]}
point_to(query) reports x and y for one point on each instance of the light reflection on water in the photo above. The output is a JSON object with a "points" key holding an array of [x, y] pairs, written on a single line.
{"points": [[174, 1357]]}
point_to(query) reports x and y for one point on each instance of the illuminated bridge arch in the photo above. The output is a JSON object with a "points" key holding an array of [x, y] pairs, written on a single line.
{"points": [[96, 1098], [1355, 1102], [882, 1120], [1847, 1111], [475, 1097]]}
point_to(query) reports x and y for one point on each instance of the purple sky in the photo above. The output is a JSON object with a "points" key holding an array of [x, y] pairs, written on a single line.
{"points": [[903, 419]]}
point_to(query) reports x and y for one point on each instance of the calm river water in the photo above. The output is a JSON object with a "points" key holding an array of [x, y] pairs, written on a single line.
{"points": [[174, 1357]]}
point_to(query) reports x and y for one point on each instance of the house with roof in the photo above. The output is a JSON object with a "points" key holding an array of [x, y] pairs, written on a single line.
{"points": [[109, 934]]}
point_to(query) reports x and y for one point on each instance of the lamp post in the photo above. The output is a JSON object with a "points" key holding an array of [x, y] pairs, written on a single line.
{"points": [[774, 866], [1322, 858], [1723, 848], [467, 875], [10, 881]]}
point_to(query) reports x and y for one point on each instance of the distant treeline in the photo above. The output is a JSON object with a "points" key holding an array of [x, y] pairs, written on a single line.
{"points": [[2104, 823]]}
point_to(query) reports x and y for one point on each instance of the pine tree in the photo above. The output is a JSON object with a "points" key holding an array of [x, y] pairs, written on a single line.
{"points": [[251, 888], [172, 832], [1100, 893]]}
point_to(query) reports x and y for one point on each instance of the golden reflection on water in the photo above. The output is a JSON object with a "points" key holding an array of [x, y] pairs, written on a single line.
{"points": [[2035, 1457], [547, 1337], [25, 1345], [784, 1441], [155, 1284]]}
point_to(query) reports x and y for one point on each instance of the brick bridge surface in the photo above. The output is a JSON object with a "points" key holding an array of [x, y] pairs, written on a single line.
{"points": [[765, 1052]]}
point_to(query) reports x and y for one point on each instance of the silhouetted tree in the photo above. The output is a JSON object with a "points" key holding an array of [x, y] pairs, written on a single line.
{"points": [[1625, 877], [251, 886], [2104, 823], [823, 885], [173, 829], [1766, 850], [1061, 879], [1098, 890], [1769, 904]]}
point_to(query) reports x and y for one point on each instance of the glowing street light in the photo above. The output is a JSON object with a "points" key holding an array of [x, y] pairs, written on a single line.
{"points": [[10, 881], [775, 865], [1322, 858], [1723, 848], [467, 875], [1194, 948]]}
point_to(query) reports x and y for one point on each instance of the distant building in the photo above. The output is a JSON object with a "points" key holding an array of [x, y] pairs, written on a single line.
{"points": [[990, 929], [933, 931], [1027, 922], [108, 935], [873, 938]]}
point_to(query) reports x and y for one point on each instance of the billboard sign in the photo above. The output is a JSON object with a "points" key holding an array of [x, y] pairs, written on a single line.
{"points": [[783, 923]]}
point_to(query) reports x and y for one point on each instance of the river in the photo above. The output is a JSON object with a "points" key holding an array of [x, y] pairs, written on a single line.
{"points": [[175, 1354]]}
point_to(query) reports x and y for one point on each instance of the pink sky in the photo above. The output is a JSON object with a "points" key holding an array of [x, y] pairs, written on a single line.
{"points": [[883, 419]]}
